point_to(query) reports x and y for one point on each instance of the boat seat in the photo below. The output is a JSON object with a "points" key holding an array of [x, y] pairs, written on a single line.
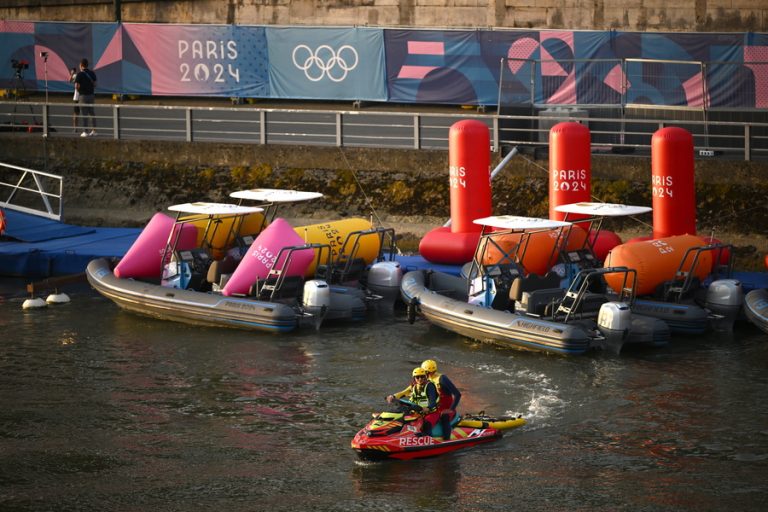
{"points": [[539, 302], [291, 288], [590, 305], [348, 271], [532, 282], [219, 268]]}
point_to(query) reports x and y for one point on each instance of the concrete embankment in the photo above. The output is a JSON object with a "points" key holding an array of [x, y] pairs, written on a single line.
{"points": [[121, 183]]}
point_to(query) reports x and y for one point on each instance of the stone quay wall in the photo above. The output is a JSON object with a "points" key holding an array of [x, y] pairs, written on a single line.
{"points": [[624, 15]]}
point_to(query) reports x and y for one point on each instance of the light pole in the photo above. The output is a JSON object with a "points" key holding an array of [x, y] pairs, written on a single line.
{"points": [[44, 56]]}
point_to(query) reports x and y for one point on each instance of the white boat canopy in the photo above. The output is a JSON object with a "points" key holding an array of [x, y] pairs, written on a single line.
{"points": [[201, 208], [516, 223], [602, 209], [275, 195]]}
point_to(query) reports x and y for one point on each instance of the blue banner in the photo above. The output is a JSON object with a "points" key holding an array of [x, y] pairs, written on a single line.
{"points": [[433, 66], [477, 67], [327, 63]]}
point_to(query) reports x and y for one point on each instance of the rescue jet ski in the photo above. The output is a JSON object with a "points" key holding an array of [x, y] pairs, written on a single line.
{"points": [[397, 435]]}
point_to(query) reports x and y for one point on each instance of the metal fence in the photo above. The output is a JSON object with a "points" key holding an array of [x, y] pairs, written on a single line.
{"points": [[623, 129]]}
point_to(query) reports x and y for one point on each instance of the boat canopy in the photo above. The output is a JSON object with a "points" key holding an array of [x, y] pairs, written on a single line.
{"points": [[517, 223], [201, 208], [602, 209], [275, 195]]}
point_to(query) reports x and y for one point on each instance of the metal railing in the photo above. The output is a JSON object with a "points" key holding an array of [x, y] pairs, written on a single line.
{"points": [[30, 191], [614, 130]]}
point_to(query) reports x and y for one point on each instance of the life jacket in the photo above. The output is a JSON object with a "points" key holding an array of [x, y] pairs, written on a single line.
{"points": [[419, 396], [445, 400]]}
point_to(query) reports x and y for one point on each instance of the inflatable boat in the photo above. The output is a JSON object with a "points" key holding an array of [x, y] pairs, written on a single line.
{"points": [[537, 314], [396, 435], [756, 308], [501, 301], [196, 307], [205, 267], [683, 280]]}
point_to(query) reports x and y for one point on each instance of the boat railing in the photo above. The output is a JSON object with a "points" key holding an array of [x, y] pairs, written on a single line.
{"points": [[348, 266], [574, 301], [685, 280], [278, 284]]}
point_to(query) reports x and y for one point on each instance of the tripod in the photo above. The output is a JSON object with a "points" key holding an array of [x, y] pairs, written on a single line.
{"points": [[19, 85]]}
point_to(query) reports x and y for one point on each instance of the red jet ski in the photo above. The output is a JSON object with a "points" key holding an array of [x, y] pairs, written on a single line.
{"points": [[397, 435]]}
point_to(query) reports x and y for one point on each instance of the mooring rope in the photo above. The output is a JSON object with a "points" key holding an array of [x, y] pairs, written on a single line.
{"points": [[368, 202]]}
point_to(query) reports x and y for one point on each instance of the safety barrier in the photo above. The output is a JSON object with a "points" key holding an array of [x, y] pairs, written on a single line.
{"points": [[621, 130]]}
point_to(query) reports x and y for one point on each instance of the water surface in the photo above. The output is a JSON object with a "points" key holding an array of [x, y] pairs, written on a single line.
{"points": [[101, 409]]}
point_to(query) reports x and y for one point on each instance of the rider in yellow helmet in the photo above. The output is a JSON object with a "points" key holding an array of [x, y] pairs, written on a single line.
{"points": [[449, 398], [423, 393]]}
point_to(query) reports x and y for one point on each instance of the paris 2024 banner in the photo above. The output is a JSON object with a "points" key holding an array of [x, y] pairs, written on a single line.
{"points": [[477, 67]]}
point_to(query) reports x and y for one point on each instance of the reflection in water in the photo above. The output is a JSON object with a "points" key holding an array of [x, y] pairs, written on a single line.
{"points": [[102, 409]]}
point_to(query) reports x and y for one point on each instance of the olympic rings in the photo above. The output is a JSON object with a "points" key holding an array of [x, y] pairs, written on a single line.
{"points": [[324, 60]]}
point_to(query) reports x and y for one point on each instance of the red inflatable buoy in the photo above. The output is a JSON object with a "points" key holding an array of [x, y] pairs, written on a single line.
{"points": [[570, 167], [602, 242], [672, 183], [443, 246], [469, 168], [470, 184]]}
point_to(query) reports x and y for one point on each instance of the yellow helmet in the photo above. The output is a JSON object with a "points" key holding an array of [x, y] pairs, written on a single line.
{"points": [[418, 372], [429, 366]]}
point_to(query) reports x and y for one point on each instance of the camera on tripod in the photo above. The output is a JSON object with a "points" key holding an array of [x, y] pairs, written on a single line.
{"points": [[19, 65]]}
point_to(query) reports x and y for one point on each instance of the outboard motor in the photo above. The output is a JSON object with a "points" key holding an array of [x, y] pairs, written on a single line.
{"points": [[613, 322], [317, 299], [724, 299], [384, 279]]}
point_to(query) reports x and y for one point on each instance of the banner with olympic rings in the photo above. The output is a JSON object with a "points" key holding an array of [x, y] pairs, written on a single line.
{"points": [[484, 67], [327, 63]]}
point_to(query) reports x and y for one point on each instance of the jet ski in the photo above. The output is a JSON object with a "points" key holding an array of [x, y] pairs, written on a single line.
{"points": [[398, 434]]}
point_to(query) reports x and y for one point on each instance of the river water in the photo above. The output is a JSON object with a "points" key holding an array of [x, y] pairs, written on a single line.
{"points": [[104, 410]]}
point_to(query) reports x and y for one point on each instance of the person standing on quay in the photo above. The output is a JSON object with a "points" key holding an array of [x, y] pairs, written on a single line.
{"points": [[85, 84], [75, 99]]}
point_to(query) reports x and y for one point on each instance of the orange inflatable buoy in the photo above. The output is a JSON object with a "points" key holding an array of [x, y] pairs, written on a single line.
{"points": [[656, 261], [539, 256], [220, 235]]}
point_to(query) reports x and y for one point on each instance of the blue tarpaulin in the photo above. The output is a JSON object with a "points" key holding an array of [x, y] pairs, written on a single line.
{"points": [[38, 247]]}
